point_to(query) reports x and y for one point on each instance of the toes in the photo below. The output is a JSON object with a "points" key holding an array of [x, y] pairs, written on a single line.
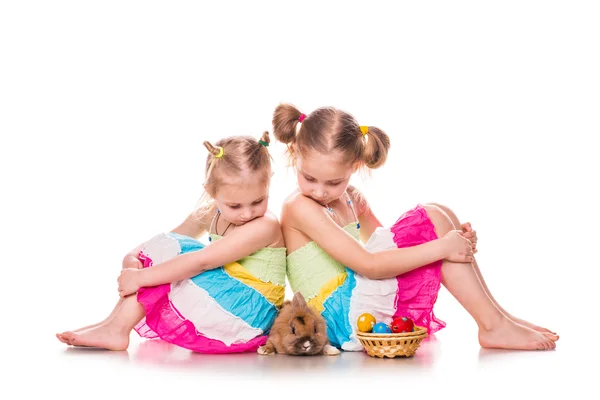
{"points": [[329, 350], [540, 346], [546, 330], [543, 344], [66, 336], [546, 344], [61, 339]]}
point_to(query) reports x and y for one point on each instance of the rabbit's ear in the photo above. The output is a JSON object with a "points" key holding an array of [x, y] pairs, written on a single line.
{"points": [[298, 300]]}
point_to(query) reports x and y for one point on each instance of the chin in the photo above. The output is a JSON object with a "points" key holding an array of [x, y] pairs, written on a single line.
{"points": [[321, 202]]}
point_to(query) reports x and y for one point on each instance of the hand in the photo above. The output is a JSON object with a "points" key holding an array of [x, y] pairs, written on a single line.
{"points": [[130, 261], [459, 248], [129, 281], [470, 234]]}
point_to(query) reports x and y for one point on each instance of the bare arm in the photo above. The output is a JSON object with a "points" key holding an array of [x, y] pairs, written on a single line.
{"points": [[193, 226], [241, 242], [310, 218]]}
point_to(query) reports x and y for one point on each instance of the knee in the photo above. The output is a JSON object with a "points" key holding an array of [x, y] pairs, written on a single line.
{"points": [[440, 220], [446, 210], [130, 261], [442, 207]]}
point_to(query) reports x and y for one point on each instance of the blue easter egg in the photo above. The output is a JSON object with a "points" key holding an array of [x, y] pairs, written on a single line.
{"points": [[381, 327]]}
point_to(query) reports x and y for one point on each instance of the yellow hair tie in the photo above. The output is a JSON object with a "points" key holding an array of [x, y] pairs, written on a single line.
{"points": [[220, 154], [364, 129]]}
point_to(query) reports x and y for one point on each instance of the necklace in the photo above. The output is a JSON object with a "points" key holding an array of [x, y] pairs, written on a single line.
{"points": [[217, 224], [349, 202]]}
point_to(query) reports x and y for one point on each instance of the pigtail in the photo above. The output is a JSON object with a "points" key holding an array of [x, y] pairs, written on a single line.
{"points": [[265, 139], [285, 121], [216, 152], [377, 145]]}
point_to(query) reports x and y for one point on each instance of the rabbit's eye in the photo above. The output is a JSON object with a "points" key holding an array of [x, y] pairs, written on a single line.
{"points": [[315, 329], [293, 331]]}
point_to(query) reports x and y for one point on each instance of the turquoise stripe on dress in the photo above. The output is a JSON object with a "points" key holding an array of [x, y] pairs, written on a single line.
{"points": [[337, 309], [234, 296], [187, 243], [237, 298]]}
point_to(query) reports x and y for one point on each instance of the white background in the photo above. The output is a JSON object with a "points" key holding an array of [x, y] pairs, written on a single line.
{"points": [[492, 109]]}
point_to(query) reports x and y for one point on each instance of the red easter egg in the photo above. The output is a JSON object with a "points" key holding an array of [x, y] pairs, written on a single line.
{"points": [[402, 324]]}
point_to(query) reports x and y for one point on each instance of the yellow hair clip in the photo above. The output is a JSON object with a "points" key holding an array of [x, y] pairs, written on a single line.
{"points": [[364, 129], [220, 154]]}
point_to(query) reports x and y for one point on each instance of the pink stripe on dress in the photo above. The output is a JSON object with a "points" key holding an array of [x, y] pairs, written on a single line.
{"points": [[164, 321], [418, 289]]}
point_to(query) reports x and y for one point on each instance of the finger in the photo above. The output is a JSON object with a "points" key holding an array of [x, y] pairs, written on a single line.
{"points": [[467, 226]]}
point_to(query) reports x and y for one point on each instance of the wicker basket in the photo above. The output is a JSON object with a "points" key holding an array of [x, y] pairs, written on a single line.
{"points": [[392, 344]]}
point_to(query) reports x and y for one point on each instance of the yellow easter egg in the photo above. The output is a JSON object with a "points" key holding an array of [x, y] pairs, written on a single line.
{"points": [[366, 322]]}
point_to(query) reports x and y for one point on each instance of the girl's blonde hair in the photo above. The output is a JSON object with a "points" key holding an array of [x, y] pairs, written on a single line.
{"points": [[231, 157], [328, 129]]}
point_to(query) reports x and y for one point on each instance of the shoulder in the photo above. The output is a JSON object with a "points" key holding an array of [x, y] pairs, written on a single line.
{"points": [[266, 227], [298, 206], [268, 222]]}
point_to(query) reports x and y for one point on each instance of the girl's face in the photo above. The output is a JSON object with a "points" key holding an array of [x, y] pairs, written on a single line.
{"points": [[323, 178], [243, 198]]}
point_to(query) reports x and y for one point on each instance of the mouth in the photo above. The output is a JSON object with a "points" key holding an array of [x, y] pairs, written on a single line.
{"points": [[321, 202]]}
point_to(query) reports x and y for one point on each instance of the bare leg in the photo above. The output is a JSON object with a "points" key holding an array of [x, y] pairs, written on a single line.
{"points": [[457, 225], [495, 329], [113, 334], [60, 337]]}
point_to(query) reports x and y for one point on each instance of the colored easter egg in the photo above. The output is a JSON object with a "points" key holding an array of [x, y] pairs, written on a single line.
{"points": [[402, 325], [365, 322], [381, 327]]}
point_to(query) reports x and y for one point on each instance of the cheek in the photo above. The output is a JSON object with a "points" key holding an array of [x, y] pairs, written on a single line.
{"points": [[304, 186], [336, 191], [229, 214], [262, 209]]}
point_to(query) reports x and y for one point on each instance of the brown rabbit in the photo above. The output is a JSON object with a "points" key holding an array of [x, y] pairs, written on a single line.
{"points": [[298, 331]]}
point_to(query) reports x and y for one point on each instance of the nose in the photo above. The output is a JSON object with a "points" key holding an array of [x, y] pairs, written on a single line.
{"points": [[319, 193], [306, 345], [246, 215]]}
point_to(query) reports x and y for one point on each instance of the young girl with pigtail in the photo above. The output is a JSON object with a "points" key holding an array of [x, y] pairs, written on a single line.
{"points": [[399, 269], [218, 298]]}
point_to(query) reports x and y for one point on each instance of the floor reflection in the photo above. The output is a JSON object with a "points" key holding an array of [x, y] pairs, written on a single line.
{"points": [[160, 354]]}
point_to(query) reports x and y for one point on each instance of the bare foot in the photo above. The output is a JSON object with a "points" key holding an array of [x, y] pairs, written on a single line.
{"points": [[510, 335], [102, 336], [60, 336], [329, 350], [531, 326]]}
